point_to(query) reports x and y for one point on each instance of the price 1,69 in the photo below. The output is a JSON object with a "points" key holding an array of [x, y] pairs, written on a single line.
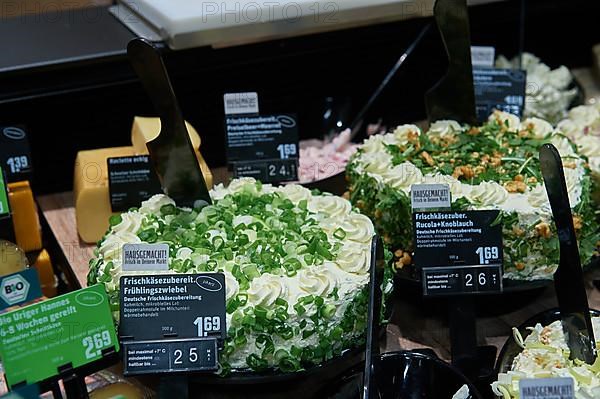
{"points": [[207, 324], [287, 150], [487, 254]]}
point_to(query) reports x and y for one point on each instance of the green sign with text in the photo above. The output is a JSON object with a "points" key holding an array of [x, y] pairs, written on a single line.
{"points": [[70, 330], [4, 209]]}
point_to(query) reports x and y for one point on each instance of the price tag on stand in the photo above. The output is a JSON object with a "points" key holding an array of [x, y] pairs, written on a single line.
{"points": [[483, 56], [502, 89], [70, 331], [260, 146], [15, 154], [131, 180], [546, 388], [459, 252], [172, 323]]}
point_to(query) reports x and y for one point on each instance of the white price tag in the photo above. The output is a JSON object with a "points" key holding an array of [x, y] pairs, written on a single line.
{"points": [[145, 257], [546, 388], [428, 196], [483, 56], [240, 103]]}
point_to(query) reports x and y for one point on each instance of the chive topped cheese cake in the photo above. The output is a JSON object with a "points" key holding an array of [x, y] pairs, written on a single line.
{"points": [[296, 267], [493, 166]]}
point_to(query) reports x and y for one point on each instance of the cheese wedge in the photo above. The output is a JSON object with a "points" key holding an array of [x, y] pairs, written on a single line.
{"points": [[147, 129], [26, 222], [90, 188]]}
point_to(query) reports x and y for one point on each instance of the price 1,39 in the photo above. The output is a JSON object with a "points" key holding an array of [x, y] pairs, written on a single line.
{"points": [[488, 255], [18, 164]]}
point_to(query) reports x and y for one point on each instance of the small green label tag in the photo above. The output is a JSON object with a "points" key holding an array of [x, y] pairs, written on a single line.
{"points": [[4, 209], [37, 340]]}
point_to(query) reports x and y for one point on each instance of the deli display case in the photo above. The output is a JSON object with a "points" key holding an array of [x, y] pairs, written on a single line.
{"points": [[359, 199]]}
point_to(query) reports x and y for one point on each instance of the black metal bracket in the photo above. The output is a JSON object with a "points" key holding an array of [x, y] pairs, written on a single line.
{"points": [[475, 362]]}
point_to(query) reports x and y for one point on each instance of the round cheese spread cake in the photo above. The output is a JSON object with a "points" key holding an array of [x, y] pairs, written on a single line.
{"points": [[296, 267], [546, 355], [493, 166], [582, 125]]}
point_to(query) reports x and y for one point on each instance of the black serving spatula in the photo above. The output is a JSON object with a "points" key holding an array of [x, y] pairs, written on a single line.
{"points": [[171, 151], [453, 97], [568, 279], [373, 322]]}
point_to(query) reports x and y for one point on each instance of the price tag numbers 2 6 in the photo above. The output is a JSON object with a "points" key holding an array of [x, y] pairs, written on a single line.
{"points": [[95, 343], [208, 324], [481, 279]]}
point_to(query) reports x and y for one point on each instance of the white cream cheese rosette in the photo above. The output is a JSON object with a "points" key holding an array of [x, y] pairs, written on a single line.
{"points": [[296, 266], [493, 166], [545, 354], [583, 127], [548, 95]]}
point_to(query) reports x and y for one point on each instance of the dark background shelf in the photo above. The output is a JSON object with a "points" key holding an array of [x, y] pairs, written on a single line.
{"points": [[68, 80]]}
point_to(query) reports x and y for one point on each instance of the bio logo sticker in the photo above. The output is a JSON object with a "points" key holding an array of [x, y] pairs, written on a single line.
{"points": [[18, 288], [14, 289]]}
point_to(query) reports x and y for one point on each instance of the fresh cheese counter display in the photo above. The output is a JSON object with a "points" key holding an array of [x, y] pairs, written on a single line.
{"points": [[546, 355], [494, 166], [296, 266], [90, 186]]}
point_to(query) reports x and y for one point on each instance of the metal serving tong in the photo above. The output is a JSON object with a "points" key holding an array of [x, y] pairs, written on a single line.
{"points": [[568, 279], [171, 151], [453, 97]]}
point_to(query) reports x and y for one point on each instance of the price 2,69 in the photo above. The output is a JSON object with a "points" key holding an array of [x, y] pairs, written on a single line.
{"points": [[95, 343], [487, 254], [207, 324]]}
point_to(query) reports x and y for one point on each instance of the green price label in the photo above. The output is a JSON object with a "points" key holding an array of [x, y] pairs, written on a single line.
{"points": [[4, 209], [36, 340]]}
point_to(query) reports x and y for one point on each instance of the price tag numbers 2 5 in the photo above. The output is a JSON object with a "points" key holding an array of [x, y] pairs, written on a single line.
{"points": [[207, 324], [178, 356], [193, 355], [95, 343]]}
